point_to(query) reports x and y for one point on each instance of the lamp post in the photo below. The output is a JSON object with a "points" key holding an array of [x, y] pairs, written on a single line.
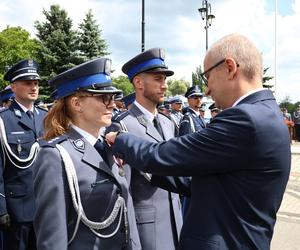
{"points": [[143, 25], [205, 13]]}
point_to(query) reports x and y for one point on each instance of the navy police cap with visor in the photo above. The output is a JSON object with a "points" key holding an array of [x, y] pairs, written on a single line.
{"points": [[152, 60], [6, 94], [92, 76], [193, 91], [24, 70]]}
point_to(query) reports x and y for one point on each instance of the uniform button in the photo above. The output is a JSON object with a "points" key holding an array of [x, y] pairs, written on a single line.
{"points": [[11, 193]]}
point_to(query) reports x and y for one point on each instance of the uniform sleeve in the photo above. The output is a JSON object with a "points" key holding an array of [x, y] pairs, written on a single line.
{"points": [[3, 209], [50, 196], [185, 126]]}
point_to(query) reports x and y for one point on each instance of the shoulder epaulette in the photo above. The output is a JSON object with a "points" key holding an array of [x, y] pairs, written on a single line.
{"points": [[166, 116], [3, 109], [52, 143], [44, 109], [120, 116]]}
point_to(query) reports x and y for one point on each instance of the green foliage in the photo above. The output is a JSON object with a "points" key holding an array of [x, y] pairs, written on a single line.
{"points": [[197, 79], [286, 103], [266, 79], [122, 82], [177, 87], [58, 45], [89, 40], [15, 45]]}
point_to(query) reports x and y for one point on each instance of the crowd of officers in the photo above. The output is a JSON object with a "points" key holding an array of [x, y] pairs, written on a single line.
{"points": [[59, 189]]}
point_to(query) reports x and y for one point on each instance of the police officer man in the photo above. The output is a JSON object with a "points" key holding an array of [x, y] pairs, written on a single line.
{"points": [[20, 127], [119, 103], [192, 121], [176, 113], [158, 212]]}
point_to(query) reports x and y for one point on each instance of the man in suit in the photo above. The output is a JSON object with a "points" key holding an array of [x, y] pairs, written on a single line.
{"points": [[20, 127], [192, 120], [239, 164], [158, 211]]}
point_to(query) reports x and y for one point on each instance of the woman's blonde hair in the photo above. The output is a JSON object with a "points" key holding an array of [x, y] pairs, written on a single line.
{"points": [[59, 118]]}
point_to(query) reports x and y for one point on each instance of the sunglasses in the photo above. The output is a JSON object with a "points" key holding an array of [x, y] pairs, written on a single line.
{"points": [[106, 99]]}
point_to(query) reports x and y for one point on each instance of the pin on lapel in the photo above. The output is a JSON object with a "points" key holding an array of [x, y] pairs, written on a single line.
{"points": [[142, 120], [18, 113], [79, 144]]}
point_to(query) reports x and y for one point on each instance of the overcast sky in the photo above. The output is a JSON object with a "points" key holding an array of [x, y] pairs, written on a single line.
{"points": [[176, 26]]}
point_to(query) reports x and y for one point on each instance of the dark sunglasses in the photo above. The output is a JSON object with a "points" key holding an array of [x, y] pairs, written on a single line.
{"points": [[106, 99]]}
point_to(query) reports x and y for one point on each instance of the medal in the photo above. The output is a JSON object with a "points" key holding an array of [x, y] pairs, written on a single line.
{"points": [[119, 163]]}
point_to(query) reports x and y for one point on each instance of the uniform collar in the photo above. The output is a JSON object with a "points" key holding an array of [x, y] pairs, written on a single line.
{"points": [[24, 108], [90, 138], [146, 112]]}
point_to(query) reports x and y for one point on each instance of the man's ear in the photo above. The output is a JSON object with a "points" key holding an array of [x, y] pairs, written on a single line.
{"points": [[13, 87], [232, 66], [138, 81]]}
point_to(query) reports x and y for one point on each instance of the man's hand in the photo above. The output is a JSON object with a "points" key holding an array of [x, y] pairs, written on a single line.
{"points": [[111, 137], [4, 221]]}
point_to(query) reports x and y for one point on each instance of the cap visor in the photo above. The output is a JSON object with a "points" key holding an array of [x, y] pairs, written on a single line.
{"points": [[105, 90], [167, 72]]}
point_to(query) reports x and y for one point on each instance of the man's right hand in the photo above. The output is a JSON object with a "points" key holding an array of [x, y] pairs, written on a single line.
{"points": [[4, 221]]}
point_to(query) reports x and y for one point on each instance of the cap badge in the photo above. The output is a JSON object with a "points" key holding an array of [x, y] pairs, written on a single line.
{"points": [[30, 63]]}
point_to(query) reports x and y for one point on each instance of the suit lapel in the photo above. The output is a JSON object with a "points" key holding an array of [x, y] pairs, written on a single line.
{"points": [[89, 153], [149, 127]]}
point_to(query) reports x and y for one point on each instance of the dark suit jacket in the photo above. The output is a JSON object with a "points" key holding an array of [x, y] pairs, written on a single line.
{"points": [[239, 165], [15, 183]]}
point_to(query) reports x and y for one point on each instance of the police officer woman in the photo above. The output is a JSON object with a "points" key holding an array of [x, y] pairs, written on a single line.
{"points": [[81, 195]]}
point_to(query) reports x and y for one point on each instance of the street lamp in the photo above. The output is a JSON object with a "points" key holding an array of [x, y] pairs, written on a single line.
{"points": [[205, 13], [143, 25]]}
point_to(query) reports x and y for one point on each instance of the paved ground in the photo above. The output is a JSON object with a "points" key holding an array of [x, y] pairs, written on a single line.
{"points": [[287, 229]]}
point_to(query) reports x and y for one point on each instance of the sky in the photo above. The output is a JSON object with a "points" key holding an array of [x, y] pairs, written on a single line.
{"points": [[177, 27]]}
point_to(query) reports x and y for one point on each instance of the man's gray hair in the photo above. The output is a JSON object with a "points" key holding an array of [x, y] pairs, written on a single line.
{"points": [[242, 50]]}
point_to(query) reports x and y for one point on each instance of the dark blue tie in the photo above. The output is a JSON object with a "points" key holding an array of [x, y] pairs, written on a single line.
{"points": [[100, 147], [158, 127]]}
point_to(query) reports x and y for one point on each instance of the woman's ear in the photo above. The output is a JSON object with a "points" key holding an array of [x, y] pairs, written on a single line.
{"points": [[76, 104]]}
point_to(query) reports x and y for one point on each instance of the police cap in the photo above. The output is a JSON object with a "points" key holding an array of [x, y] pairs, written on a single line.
{"points": [[24, 70], [152, 60], [176, 99], [193, 91], [129, 99], [213, 108], [6, 94], [92, 76]]}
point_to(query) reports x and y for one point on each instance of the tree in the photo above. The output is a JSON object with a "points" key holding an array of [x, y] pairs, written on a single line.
{"points": [[15, 45], [177, 87], [266, 79], [89, 40], [58, 45], [122, 82], [197, 79]]}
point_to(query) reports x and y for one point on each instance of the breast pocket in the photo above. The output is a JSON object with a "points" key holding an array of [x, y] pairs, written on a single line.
{"points": [[20, 142]]}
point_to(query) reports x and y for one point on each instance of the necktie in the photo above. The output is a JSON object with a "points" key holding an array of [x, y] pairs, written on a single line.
{"points": [[158, 127], [30, 114], [99, 146]]}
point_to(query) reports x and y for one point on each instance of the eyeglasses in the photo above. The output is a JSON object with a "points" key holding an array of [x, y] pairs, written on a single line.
{"points": [[106, 99], [203, 75], [204, 78]]}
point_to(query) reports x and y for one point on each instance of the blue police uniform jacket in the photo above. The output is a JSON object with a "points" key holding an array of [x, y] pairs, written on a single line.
{"points": [[16, 185], [100, 185], [240, 166], [191, 122]]}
